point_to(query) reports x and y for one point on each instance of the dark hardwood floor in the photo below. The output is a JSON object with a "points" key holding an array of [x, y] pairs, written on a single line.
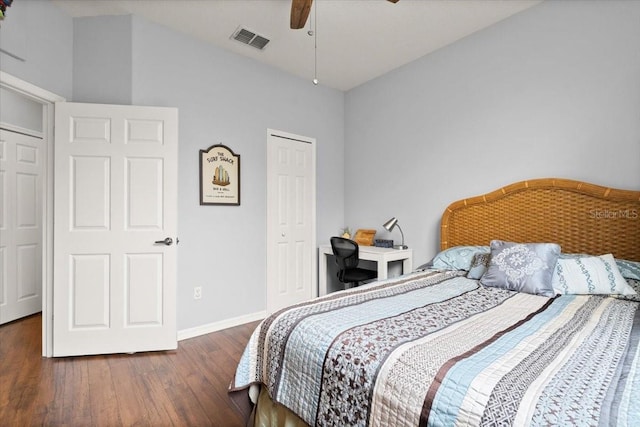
{"points": [[187, 387]]}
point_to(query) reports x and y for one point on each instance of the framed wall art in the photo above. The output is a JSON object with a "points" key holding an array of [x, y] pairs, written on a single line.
{"points": [[219, 176]]}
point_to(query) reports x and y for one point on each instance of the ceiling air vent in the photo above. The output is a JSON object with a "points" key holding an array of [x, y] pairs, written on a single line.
{"points": [[249, 37]]}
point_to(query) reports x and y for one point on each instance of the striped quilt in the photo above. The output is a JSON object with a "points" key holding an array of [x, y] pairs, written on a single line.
{"points": [[436, 348]]}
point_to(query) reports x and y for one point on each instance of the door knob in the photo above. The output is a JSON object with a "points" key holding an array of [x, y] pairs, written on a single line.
{"points": [[168, 241]]}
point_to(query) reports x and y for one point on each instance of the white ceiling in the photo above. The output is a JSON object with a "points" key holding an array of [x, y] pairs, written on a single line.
{"points": [[357, 40]]}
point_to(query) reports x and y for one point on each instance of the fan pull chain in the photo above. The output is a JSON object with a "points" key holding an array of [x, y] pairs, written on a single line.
{"points": [[315, 43]]}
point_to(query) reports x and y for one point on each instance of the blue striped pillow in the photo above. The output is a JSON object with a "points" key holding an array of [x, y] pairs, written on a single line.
{"points": [[589, 275]]}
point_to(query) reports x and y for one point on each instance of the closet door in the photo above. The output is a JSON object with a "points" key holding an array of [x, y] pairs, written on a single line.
{"points": [[21, 169], [291, 226]]}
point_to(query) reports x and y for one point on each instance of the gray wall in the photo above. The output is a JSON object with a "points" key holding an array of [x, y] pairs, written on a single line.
{"points": [[222, 98], [551, 92], [42, 35], [102, 60]]}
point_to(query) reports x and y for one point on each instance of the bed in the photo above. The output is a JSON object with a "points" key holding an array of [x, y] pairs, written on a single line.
{"points": [[521, 319]]}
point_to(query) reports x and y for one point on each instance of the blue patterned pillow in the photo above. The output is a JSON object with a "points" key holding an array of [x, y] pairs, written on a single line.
{"points": [[629, 269], [457, 257], [522, 267], [590, 275], [479, 265]]}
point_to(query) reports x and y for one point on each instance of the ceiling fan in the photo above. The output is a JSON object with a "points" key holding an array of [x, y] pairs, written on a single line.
{"points": [[300, 12]]}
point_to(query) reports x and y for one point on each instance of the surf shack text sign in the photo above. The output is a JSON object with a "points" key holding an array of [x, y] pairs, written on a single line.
{"points": [[219, 176]]}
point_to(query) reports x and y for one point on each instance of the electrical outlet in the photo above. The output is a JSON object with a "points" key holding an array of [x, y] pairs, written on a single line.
{"points": [[197, 292]]}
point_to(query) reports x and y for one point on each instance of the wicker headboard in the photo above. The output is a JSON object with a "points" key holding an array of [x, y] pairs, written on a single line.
{"points": [[581, 217]]}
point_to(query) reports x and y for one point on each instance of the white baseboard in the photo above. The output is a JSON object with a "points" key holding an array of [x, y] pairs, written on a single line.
{"points": [[218, 326]]}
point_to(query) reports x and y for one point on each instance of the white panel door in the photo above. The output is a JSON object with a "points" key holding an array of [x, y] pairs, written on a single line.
{"points": [[291, 254], [21, 169], [115, 204]]}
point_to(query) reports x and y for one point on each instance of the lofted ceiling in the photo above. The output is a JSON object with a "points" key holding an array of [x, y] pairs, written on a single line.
{"points": [[357, 40]]}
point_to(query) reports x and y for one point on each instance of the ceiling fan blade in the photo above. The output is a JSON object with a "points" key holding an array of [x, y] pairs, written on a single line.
{"points": [[299, 13], [393, 1]]}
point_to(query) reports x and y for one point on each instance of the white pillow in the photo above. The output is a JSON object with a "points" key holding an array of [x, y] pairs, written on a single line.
{"points": [[589, 275]]}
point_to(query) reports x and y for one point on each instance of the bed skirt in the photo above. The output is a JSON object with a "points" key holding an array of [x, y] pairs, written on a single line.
{"points": [[270, 414]]}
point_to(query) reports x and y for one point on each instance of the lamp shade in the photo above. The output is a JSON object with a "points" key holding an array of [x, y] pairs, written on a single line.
{"points": [[389, 225]]}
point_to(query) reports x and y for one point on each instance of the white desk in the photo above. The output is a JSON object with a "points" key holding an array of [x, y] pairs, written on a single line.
{"points": [[382, 256]]}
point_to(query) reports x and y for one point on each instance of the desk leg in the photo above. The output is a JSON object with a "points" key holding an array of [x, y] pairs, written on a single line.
{"points": [[322, 272], [383, 270], [407, 265]]}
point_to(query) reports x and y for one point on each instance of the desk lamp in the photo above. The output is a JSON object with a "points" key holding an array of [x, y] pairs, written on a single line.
{"points": [[390, 225]]}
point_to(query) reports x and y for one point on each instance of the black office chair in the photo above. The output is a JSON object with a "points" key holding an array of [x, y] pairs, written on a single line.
{"points": [[346, 254]]}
